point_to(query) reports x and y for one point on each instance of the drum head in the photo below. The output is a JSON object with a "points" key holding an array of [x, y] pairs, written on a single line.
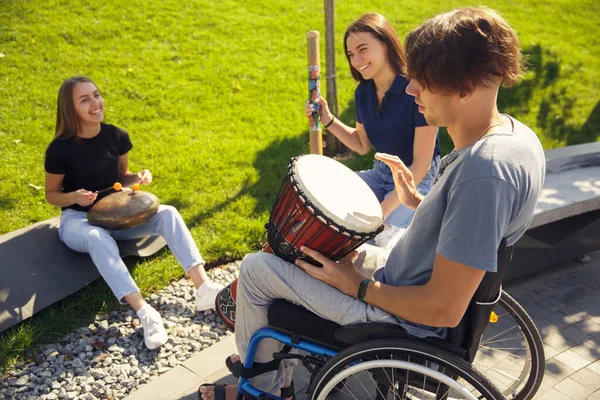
{"points": [[338, 192]]}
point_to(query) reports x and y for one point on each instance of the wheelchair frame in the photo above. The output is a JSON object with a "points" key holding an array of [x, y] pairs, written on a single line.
{"points": [[460, 350]]}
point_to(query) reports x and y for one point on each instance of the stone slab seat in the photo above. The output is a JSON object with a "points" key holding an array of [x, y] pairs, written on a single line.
{"points": [[37, 269], [566, 221]]}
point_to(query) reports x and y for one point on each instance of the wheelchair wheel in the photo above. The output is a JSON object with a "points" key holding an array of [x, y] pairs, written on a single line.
{"points": [[399, 369], [511, 353]]}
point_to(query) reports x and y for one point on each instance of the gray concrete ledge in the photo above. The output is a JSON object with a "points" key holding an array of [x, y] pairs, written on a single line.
{"points": [[570, 157], [182, 381], [566, 194]]}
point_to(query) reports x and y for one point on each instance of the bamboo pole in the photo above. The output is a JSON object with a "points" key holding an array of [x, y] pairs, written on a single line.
{"points": [[314, 90]]}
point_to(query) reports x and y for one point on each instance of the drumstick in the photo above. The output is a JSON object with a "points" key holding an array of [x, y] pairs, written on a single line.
{"points": [[116, 187], [314, 91]]}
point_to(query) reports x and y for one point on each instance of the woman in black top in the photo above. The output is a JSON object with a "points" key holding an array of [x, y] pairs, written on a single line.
{"points": [[86, 156]]}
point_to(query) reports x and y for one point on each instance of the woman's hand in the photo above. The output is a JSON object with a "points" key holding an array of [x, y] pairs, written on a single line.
{"points": [[403, 180], [144, 177], [341, 275], [325, 116], [84, 197]]}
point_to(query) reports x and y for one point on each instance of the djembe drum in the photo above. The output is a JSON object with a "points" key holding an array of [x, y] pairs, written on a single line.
{"points": [[323, 205], [123, 209]]}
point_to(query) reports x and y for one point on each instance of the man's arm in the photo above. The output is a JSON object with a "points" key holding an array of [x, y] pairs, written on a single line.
{"points": [[441, 302]]}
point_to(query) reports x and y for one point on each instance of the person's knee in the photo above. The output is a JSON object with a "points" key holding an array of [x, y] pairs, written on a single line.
{"points": [[96, 237], [254, 264], [168, 211]]}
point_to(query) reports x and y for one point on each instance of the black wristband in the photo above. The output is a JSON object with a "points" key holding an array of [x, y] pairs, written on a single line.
{"points": [[362, 289], [329, 124]]}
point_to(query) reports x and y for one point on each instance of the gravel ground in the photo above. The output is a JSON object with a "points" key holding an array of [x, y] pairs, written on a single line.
{"points": [[108, 359]]}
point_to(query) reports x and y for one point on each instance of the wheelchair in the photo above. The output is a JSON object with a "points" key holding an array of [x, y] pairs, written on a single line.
{"points": [[494, 353]]}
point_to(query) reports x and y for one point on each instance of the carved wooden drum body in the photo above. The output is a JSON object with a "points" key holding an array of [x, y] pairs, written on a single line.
{"points": [[322, 204]]}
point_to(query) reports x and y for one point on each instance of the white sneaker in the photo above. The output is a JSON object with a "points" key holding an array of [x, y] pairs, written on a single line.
{"points": [[155, 334], [206, 295]]}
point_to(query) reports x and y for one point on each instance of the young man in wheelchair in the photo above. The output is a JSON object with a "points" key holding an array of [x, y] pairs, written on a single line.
{"points": [[486, 191]]}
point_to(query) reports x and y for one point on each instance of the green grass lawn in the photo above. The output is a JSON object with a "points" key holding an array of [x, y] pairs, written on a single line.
{"points": [[212, 95]]}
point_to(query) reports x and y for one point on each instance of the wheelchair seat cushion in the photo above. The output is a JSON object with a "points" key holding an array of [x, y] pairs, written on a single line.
{"points": [[298, 321], [358, 333]]}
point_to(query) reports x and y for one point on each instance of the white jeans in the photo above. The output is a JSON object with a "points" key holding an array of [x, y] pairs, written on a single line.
{"points": [[77, 233]]}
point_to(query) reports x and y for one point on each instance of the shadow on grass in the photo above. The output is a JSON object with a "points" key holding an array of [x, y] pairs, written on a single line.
{"points": [[7, 203], [544, 91], [271, 164]]}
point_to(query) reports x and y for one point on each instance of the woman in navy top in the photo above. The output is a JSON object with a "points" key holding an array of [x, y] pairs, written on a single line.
{"points": [[386, 116]]}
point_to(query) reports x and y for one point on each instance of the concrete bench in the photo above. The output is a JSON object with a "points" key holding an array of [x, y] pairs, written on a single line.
{"points": [[566, 222], [37, 269]]}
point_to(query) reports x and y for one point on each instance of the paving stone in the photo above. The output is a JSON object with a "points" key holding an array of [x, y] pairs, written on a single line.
{"points": [[594, 396], [573, 389], [550, 352], [558, 370], [555, 338], [547, 383], [551, 305], [588, 327], [554, 394], [590, 349], [572, 360], [559, 320], [595, 367], [535, 311], [587, 378], [574, 335], [592, 307]]}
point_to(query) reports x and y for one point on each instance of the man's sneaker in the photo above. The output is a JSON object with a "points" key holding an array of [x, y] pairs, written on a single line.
{"points": [[155, 334], [206, 295]]}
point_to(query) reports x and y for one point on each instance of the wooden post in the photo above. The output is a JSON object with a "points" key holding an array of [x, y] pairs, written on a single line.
{"points": [[333, 145], [314, 91]]}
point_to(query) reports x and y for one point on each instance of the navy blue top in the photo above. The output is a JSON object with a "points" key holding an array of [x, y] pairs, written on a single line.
{"points": [[390, 129]]}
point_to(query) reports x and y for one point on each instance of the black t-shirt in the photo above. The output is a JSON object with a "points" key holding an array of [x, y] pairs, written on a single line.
{"points": [[91, 164]]}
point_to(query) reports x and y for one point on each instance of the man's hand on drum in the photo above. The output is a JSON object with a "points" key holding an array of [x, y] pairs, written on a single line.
{"points": [[84, 197], [325, 116], [144, 177], [341, 275], [403, 180]]}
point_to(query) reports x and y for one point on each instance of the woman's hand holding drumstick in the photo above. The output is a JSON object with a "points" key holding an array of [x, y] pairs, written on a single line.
{"points": [[403, 180], [84, 197]]}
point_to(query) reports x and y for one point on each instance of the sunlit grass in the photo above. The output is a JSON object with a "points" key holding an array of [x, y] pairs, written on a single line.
{"points": [[212, 94]]}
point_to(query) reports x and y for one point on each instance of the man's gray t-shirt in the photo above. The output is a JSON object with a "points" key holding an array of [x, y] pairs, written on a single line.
{"points": [[484, 192]]}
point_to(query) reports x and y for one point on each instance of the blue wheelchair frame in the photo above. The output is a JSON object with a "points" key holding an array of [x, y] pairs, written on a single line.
{"points": [[244, 386]]}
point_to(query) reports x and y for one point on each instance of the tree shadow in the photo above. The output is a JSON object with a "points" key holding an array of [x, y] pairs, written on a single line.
{"points": [[7, 203], [555, 110], [271, 164]]}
